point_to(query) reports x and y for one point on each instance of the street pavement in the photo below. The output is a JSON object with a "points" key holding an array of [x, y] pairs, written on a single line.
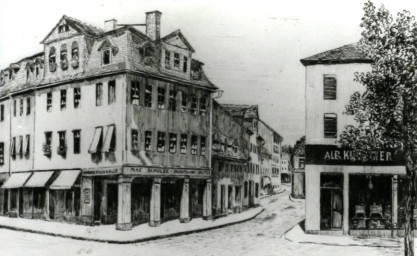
{"points": [[260, 236]]}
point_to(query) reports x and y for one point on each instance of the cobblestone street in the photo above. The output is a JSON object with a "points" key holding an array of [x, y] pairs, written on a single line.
{"points": [[260, 236]]}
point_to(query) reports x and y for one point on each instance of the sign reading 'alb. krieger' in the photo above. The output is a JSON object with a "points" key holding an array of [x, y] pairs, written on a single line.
{"points": [[332, 155]]}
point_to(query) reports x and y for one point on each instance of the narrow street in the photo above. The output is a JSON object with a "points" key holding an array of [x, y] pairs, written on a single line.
{"points": [[260, 236]]}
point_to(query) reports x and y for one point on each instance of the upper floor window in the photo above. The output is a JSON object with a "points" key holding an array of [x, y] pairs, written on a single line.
{"points": [[112, 91], [99, 94], [52, 59], [161, 142], [77, 141], [74, 54], [63, 57], [63, 28], [330, 125], [184, 102], [185, 64], [183, 144], [21, 107], [13, 147], [1, 152], [62, 147], [203, 105], [1, 112], [173, 100], [28, 106], [37, 71], [63, 99], [20, 147], [176, 60], [77, 97], [194, 145], [167, 59], [106, 56], [161, 98], [329, 87], [49, 101], [148, 96], [14, 107], [135, 139], [148, 140], [193, 107], [172, 143], [134, 92], [203, 145]]}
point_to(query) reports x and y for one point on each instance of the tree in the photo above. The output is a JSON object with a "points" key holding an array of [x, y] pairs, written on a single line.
{"points": [[386, 111]]}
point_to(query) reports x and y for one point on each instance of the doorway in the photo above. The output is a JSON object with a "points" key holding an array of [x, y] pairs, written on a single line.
{"points": [[222, 198], [230, 196], [331, 201], [98, 188]]}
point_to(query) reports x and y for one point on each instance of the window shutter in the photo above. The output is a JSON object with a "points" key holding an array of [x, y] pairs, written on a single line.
{"points": [[330, 125], [329, 87]]}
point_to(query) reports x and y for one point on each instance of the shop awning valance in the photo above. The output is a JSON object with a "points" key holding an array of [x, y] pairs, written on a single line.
{"points": [[38, 179], [16, 180], [65, 180], [266, 181], [96, 140]]}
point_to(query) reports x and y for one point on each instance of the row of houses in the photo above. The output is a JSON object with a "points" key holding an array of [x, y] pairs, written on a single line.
{"points": [[117, 126]]}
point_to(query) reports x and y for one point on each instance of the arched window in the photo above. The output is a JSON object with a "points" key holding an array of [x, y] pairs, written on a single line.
{"points": [[63, 57], [64, 52], [52, 57], [74, 50]]}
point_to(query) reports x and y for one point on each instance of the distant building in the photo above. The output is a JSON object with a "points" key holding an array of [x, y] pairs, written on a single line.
{"points": [[343, 195], [285, 167], [298, 177]]}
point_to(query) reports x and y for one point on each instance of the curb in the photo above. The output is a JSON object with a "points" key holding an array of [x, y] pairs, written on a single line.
{"points": [[295, 200], [284, 235], [141, 240]]}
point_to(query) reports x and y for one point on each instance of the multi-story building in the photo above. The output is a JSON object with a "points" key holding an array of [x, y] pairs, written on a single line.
{"points": [[115, 127], [298, 177], [344, 195], [230, 163], [286, 167]]}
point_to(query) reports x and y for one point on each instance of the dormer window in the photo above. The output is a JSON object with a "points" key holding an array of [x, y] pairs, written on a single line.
{"points": [[63, 28], [52, 59], [63, 57], [74, 55], [106, 56]]}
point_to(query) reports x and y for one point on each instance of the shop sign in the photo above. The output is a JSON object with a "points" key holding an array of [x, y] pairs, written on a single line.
{"points": [[102, 171], [332, 155], [151, 171]]}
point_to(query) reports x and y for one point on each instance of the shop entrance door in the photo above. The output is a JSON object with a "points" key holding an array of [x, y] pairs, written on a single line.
{"points": [[331, 202], [251, 193], [97, 199], [112, 198], [230, 195], [20, 203], [5, 200], [171, 192]]}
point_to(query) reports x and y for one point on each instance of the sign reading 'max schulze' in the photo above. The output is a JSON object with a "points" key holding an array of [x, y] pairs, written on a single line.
{"points": [[332, 155], [155, 171]]}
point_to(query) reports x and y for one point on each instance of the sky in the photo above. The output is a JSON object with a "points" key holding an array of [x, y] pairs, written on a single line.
{"points": [[251, 49]]}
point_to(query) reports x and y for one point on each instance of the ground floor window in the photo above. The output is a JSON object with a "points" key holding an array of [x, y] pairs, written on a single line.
{"points": [[402, 200], [65, 204], [197, 188], [331, 201], [141, 197], [171, 192], [370, 200]]}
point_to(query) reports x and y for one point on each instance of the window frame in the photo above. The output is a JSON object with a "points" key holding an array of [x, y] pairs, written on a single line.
{"points": [[203, 144], [99, 94], [28, 106], [76, 141], [172, 144], [167, 59], [63, 99], [49, 101], [21, 102], [135, 93], [1, 112], [184, 102], [184, 143], [1, 153], [148, 141], [176, 60], [185, 64], [148, 96], [160, 142], [172, 102], [77, 97], [194, 104], [194, 145], [103, 52], [134, 133], [161, 97]]}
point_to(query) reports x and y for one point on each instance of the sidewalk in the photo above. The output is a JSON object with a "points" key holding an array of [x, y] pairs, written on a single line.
{"points": [[108, 233], [297, 235]]}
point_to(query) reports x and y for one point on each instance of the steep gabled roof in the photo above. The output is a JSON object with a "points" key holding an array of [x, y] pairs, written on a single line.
{"points": [[181, 36], [78, 25], [349, 53], [242, 111], [271, 129]]}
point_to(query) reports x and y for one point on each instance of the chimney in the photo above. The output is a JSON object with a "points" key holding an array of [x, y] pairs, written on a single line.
{"points": [[110, 24], [153, 25]]}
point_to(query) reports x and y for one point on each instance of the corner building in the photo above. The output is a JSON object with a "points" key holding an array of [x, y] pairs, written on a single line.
{"points": [[120, 127], [344, 196]]}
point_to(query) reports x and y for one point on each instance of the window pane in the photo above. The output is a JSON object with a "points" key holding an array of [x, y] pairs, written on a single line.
{"points": [[176, 60], [173, 100], [28, 106], [148, 140], [49, 101], [134, 93], [77, 97], [77, 140], [99, 94], [193, 108], [161, 142], [106, 56], [183, 144], [161, 98], [135, 134], [112, 91], [172, 142], [194, 145], [184, 102], [63, 99], [203, 146], [148, 96]]}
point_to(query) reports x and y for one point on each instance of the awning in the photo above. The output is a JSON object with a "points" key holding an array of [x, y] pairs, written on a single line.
{"points": [[38, 179], [108, 139], [96, 140], [17, 180], [266, 181], [65, 180]]}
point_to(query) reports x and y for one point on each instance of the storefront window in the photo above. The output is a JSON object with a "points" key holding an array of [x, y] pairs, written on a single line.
{"points": [[370, 201]]}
